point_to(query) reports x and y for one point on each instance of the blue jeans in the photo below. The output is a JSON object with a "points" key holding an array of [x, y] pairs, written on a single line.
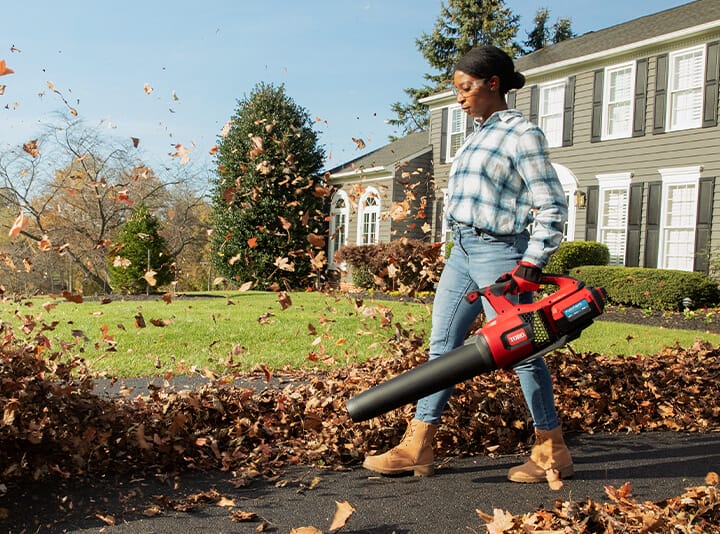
{"points": [[477, 261]]}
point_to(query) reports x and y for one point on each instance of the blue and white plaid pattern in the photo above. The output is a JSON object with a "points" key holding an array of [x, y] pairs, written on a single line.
{"points": [[502, 180]]}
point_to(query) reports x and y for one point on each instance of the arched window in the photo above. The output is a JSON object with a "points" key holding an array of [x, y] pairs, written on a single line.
{"points": [[339, 213], [369, 217]]}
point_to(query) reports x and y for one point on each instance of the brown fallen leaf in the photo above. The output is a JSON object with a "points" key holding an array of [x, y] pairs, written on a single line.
{"points": [[343, 511], [239, 516]]}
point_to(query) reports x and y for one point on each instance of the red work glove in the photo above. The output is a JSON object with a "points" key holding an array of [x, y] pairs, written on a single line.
{"points": [[524, 277]]}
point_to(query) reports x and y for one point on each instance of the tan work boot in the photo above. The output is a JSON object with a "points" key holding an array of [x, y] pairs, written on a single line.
{"points": [[413, 453], [549, 452]]}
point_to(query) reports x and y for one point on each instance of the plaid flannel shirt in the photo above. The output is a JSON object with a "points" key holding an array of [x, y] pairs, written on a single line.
{"points": [[502, 180]]}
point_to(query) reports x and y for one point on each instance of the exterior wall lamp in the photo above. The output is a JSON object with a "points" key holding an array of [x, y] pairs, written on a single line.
{"points": [[580, 199]]}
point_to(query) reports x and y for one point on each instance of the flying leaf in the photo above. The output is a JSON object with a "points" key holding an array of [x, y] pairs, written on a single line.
{"points": [[123, 196], [316, 241], [226, 129], [19, 225], [4, 68], [119, 261], [285, 223], [284, 300], [359, 142], [44, 243], [2, 89], [284, 264], [147, 89], [135, 141], [343, 511], [31, 148], [246, 286], [150, 277], [181, 152]]}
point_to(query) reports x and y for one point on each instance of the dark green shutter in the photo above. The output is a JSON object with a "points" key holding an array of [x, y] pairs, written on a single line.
{"points": [[568, 112], [660, 105], [597, 106], [591, 219], [710, 100], [640, 107], [534, 103], [652, 223], [703, 224], [444, 135], [632, 245]]}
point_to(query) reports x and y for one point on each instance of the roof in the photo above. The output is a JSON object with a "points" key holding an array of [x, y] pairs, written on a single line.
{"points": [[663, 23], [387, 156]]}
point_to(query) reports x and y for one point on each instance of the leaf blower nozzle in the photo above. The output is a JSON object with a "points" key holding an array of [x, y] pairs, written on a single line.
{"points": [[519, 333]]}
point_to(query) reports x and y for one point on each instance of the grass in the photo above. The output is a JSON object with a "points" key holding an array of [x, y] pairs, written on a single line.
{"points": [[251, 328]]}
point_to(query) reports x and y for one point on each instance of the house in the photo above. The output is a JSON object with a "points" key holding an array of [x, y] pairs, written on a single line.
{"points": [[381, 196], [630, 113]]}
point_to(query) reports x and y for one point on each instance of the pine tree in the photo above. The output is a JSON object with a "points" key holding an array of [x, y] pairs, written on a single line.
{"points": [[268, 199], [462, 25], [140, 260], [541, 35]]}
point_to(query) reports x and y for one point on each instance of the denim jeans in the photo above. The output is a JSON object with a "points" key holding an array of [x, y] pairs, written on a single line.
{"points": [[476, 261]]}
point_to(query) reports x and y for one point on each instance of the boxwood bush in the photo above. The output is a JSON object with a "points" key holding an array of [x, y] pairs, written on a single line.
{"points": [[661, 289], [573, 254]]}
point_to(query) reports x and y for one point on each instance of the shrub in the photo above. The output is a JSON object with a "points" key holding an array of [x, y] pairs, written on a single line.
{"points": [[662, 289], [573, 254], [405, 265]]}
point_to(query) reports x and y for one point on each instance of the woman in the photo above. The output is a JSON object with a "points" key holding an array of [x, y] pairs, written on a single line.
{"points": [[501, 180]]}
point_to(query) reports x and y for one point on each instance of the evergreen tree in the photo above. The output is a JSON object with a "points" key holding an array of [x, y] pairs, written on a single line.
{"points": [[541, 35], [268, 200], [140, 260], [462, 25]]}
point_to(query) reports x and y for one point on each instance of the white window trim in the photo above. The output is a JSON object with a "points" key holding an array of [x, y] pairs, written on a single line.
{"points": [[570, 185], [675, 176], [370, 191], [449, 155], [544, 87], [669, 108], [606, 101], [606, 182], [333, 229]]}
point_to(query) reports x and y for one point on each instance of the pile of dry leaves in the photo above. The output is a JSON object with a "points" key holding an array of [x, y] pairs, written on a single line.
{"points": [[54, 424]]}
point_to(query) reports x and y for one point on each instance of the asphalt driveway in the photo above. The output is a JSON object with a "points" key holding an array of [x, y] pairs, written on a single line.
{"points": [[658, 465]]}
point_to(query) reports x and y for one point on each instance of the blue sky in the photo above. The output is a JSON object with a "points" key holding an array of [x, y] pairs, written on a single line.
{"points": [[344, 61]]}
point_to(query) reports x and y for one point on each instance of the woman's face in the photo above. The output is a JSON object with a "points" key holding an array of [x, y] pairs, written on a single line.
{"points": [[478, 98]]}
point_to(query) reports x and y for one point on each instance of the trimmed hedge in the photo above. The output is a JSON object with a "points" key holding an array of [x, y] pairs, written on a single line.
{"points": [[661, 289], [573, 254]]}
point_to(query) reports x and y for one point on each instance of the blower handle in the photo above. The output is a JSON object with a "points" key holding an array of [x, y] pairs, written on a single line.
{"points": [[497, 296]]}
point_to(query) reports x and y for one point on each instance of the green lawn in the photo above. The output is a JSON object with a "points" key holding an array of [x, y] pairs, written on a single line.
{"points": [[251, 328]]}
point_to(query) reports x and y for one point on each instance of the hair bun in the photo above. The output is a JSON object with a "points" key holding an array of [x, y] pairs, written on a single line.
{"points": [[518, 80]]}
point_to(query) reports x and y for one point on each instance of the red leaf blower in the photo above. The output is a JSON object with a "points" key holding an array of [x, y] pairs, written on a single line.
{"points": [[519, 333]]}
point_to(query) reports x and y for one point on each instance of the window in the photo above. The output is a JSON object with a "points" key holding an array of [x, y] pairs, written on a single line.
{"points": [[550, 112], [612, 215], [338, 224], [685, 89], [618, 101], [456, 130], [677, 219], [369, 217]]}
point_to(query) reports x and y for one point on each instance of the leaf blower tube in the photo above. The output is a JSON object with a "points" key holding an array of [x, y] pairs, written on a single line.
{"points": [[519, 333]]}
